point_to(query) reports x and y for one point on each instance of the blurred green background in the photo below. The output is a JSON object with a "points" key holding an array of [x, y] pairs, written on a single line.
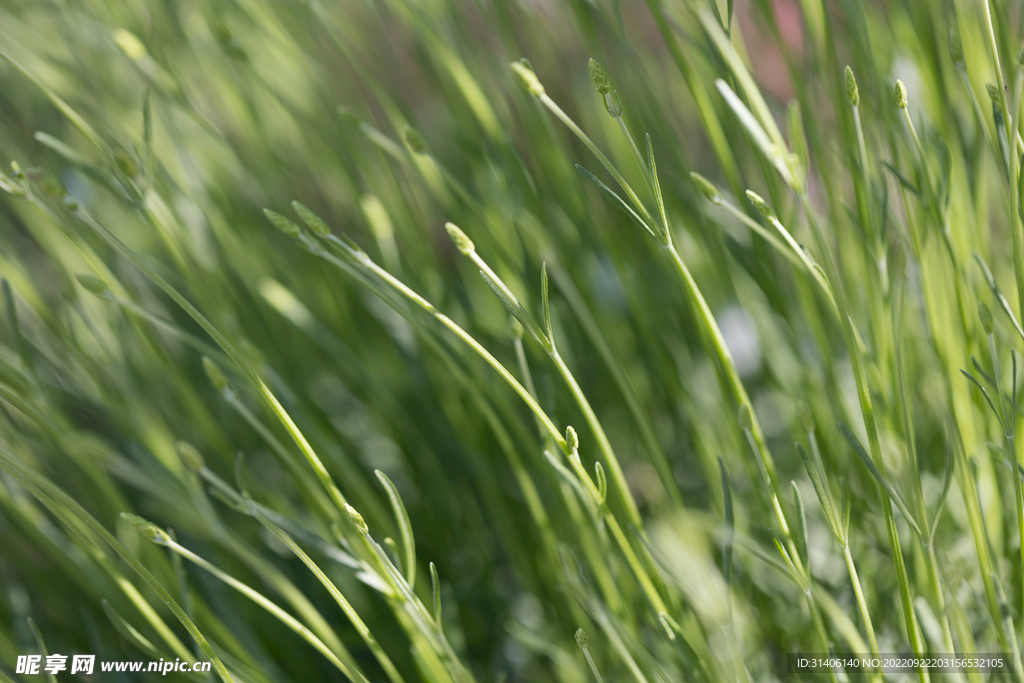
{"points": [[389, 118]]}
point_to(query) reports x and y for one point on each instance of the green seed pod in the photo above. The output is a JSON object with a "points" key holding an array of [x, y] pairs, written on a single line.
{"points": [[190, 456], [581, 639], [806, 419], [415, 140], [956, 50], [145, 527], [522, 74], [599, 77], [986, 317], [706, 188], [900, 94], [572, 441], [70, 202], [16, 170], [852, 93], [760, 204], [283, 224], [92, 284], [357, 520], [315, 223], [746, 422], [215, 374], [462, 242]]}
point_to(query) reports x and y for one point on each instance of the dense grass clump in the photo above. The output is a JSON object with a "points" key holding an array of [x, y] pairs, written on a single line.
{"points": [[397, 341]]}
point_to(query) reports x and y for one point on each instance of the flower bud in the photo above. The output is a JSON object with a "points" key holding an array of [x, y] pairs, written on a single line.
{"points": [[706, 188], [350, 116], [599, 77], [215, 374], [956, 50], [315, 223], [572, 441], [283, 224], [92, 284], [357, 520], [70, 202], [746, 422], [852, 93], [191, 457], [522, 74], [461, 240], [900, 93], [581, 639], [145, 527], [415, 140], [993, 93], [760, 204], [806, 419], [986, 317]]}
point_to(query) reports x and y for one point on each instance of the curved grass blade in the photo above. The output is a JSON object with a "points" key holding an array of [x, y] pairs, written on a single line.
{"points": [[404, 528], [618, 201]]}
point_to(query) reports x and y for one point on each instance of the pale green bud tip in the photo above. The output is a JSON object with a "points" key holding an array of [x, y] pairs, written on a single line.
{"points": [[357, 520], [130, 45], [524, 77], [986, 317], [852, 93], [806, 419], [92, 284], [956, 49], [760, 204], [706, 188], [145, 527], [283, 224], [572, 441], [191, 457], [900, 93], [315, 223], [215, 374], [581, 639], [415, 140], [993, 93], [462, 242], [16, 170], [599, 77], [746, 422], [70, 202]]}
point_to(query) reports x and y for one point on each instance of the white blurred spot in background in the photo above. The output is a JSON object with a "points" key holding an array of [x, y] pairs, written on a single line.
{"points": [[740, 335]]}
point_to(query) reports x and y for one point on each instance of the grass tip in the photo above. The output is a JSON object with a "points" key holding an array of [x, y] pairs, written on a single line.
{"points": [[806, 419], [350, 116]]}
